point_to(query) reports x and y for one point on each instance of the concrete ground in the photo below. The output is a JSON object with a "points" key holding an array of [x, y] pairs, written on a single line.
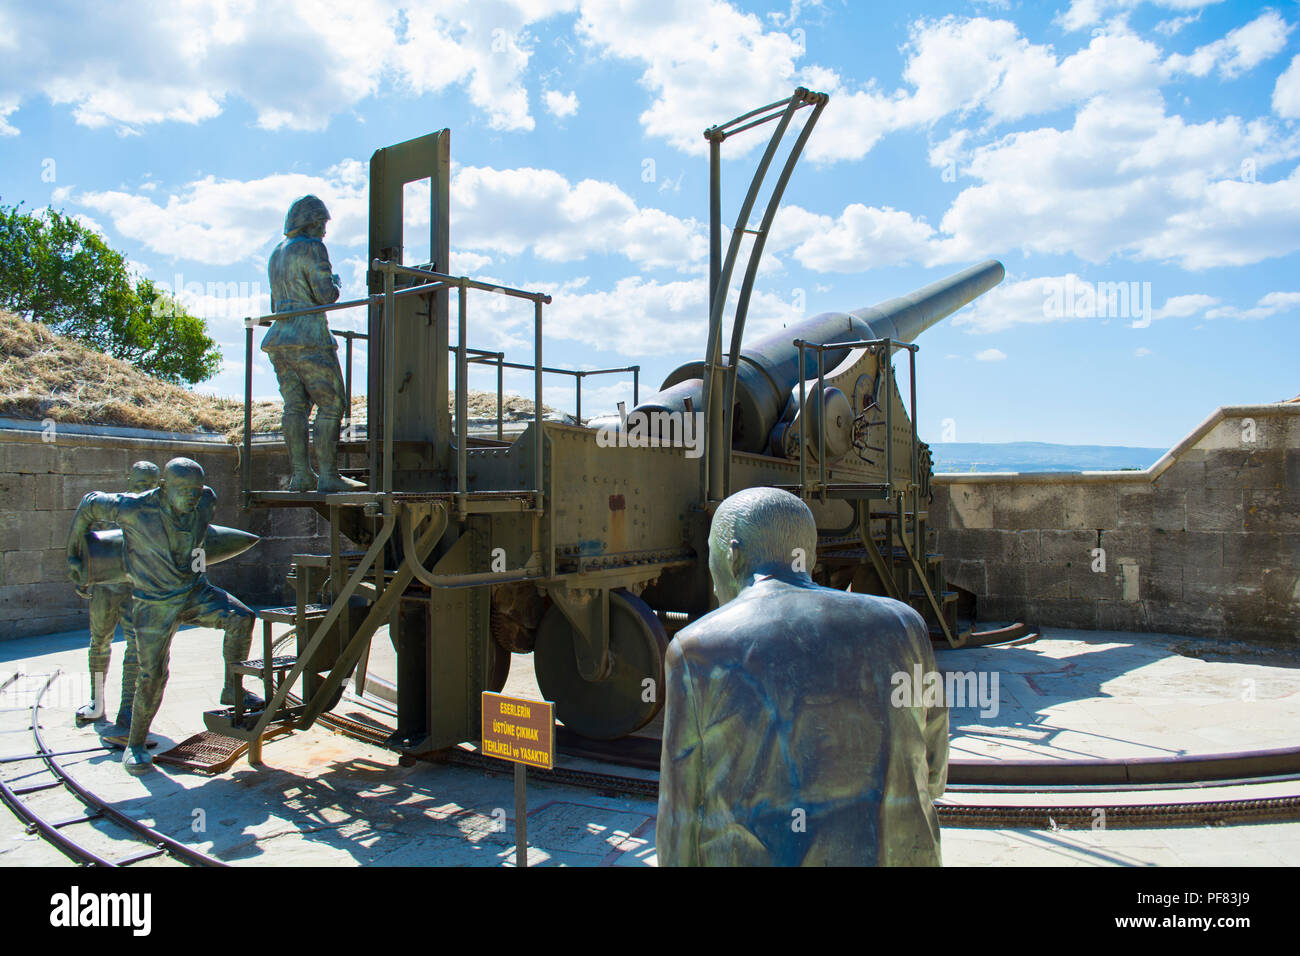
{"points": [[323, 799]]}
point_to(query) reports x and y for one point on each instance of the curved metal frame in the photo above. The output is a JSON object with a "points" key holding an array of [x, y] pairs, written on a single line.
{"points": [[715, 464]]}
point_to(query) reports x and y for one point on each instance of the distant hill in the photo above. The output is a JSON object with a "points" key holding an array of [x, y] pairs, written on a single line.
{"points": [[1039, 456]]}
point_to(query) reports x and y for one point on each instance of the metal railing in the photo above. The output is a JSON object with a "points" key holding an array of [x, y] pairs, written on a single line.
{"points": [[465, 355]]}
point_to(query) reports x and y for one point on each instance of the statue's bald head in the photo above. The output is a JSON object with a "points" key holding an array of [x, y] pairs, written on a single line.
{"points": [[182, 484], [758, 531], [143, 476]]}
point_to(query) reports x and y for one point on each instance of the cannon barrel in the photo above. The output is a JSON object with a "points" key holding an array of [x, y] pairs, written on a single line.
{"points": [[769, 368]]}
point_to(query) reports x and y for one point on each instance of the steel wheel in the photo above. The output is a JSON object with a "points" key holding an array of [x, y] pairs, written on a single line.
{"points": [[616, 706]]}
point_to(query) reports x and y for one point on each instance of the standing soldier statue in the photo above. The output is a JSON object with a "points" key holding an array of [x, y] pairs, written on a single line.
{"points": [[163, 534], [108, 603], [302, 349]]}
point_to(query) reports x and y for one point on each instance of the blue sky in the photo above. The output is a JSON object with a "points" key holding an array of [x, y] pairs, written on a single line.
{"points": [[1104, 141]]}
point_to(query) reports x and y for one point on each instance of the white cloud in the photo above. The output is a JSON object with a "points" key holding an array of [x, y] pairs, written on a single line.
{"points": [[8, 105], [221, 222], [1129, 179], [295, 62], [509, 211], [859, 236], [1240, 50], [1184, 306], [646, 317], [1020, 302], [497, 211], [990, 355], [1086, 13], [688, 46], [1141, 352], [1268, 305], [559, 104], [1286, 93]]}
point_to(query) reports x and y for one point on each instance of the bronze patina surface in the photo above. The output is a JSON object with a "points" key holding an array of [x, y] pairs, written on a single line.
{"points": [[163, 530], [303, 351], [110, 603], [781, 745]]}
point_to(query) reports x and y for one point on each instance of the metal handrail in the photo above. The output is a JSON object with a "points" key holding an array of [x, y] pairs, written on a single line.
{"points": [[886, 348], [462, 284], [439, 281]]}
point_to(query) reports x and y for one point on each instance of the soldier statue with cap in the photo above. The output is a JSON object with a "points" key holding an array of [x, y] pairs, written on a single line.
{"points": [[164, 541], [303, 351], [108, 604]]}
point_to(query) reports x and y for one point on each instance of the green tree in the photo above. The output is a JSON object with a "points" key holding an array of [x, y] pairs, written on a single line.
{"points": [[56, 270]]}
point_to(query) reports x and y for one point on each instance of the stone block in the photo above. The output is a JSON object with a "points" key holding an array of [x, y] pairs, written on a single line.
{"points": [[1293, 469], [1120, 616], [1061, 612], [1221, 585], [97, 459], [1131, 546], [1196, 618], [1135, 506], [1091, 506], [1215, 509], [1065, 549], [1160, 584], [18, 601], [975, 545], [76, 487], [1170, 549], [1086, 584], [1005, 579], [1271, 510], [1245, 469], [18, 491], [966, 574], [54, 566], [1028, 507], [1046, 583], [33, 458], [21, 567], [35, 531], [48, 492], [1186, 472], [969, 506], [1169, 510], [1244, 433], [1262, 550]]}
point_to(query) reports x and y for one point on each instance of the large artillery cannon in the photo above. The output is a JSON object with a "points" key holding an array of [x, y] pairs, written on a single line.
{"points": [[575, 542]]}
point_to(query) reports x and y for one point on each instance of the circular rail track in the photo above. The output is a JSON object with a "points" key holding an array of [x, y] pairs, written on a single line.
{"points": [[146, 842], [1045, 816]]}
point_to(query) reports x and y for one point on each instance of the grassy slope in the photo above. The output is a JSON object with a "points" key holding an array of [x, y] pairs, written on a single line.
{"points": [[44, 375]]}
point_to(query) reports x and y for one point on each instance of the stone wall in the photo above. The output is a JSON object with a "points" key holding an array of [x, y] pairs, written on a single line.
{"points": [[1205, 542], [42, 482]]}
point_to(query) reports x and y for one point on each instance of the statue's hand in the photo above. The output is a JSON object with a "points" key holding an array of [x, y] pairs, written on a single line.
{"points": [[337, 281], [76, 570]]}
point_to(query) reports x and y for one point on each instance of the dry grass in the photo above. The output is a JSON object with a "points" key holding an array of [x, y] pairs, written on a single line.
{"points": [[44, 375]]}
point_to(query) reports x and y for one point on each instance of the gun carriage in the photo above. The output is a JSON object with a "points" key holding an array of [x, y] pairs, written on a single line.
{"points": [[586, 544]]}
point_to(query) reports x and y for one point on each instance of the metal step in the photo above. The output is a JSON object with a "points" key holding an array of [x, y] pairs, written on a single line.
{"points": [[223, 722], [257, 667], [945, 597], [932, 559], [289, 615]]}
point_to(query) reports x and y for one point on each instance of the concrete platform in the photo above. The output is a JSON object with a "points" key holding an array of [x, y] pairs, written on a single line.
{"points": [[323, 799]]}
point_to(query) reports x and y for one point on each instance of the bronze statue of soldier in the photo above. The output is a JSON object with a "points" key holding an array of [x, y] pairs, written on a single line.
{"points": [[781, 744], [108, 604], [163, 534], [302, 350]]}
